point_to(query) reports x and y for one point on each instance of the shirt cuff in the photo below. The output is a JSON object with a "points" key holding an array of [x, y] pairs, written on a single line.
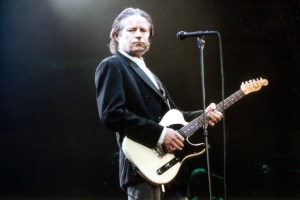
{"points": [[162, 137]]}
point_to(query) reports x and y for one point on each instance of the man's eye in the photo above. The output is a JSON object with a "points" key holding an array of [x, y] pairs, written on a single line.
{"points": [[144, 30]]}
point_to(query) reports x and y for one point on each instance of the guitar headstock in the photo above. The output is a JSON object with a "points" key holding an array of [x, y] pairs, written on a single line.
{"points": [[253, 85]]}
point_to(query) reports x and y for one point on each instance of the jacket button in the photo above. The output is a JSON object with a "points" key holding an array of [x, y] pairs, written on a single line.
{"points": [[147, 98]]}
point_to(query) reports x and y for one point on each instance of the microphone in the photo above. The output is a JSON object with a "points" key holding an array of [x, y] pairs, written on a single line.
{"points": [[181, 35]]}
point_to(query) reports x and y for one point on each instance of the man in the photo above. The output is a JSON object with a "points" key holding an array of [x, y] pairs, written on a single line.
{"points": [[131, 101]]}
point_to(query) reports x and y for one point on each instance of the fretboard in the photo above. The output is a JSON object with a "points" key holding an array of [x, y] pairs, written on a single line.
{"points": [[199, 122]]}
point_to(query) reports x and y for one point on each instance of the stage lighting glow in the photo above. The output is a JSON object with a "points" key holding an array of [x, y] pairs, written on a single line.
{"points": [[70, 9]]}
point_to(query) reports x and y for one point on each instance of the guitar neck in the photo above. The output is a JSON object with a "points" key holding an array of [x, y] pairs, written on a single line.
{"points": [[200, 121], [229, 101]]}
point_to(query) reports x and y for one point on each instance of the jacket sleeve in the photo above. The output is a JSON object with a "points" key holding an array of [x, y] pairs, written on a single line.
{"points": [[113, 111]]}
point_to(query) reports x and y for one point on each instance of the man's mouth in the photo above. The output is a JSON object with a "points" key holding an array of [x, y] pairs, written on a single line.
{"points": [[138, 43]]}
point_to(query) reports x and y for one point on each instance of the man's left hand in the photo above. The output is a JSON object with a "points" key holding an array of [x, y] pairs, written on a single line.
{"points": [[214, 115]]}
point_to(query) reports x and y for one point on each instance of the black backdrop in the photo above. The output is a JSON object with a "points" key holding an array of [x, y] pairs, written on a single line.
{"points": [[52, 142]]}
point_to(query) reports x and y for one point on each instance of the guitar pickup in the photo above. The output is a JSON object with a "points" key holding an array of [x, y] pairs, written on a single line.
{"points": [[167, 166], [159, 151]]}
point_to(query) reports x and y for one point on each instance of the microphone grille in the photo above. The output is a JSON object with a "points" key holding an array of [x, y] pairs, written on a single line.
{"points": [[180, 35]]}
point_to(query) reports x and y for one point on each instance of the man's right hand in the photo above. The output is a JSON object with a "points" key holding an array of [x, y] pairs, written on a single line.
{"points": [[173, 140]]}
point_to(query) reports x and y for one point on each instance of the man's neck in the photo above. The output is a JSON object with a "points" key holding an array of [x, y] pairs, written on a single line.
{"points": [[130, 56]]}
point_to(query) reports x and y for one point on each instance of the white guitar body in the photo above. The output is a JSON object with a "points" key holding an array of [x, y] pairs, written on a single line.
{"points": [[148, 161]]}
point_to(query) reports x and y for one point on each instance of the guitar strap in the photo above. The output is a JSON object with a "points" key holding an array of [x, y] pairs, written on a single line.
{"points": [[163, 91]]}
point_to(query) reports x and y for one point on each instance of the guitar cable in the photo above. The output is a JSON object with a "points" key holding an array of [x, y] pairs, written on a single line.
{"points": [[223, 112]]}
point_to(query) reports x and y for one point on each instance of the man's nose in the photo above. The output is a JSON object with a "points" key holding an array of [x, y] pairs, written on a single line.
{"points": [[138, 33]]}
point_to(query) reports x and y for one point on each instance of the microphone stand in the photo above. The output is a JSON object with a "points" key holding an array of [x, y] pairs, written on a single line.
{"points": [[201, 43]]}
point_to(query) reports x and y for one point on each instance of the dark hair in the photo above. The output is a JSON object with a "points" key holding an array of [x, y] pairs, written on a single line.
{"points": [[116, 27]]}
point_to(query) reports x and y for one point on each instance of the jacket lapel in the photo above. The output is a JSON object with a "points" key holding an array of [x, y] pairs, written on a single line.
{"points": [[141, 74]]}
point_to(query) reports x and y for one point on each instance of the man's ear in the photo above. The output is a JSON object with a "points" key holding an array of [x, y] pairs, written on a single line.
{"points": [[116, 36]]}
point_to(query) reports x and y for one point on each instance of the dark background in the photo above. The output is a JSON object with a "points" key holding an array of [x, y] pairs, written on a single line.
{"points": [[52, 142]]}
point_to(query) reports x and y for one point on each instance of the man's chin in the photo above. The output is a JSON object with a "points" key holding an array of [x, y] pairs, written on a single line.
{"points": [[138, 51]]}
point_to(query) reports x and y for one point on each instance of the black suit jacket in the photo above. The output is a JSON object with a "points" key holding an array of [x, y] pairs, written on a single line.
{"points": [[130, 105]]}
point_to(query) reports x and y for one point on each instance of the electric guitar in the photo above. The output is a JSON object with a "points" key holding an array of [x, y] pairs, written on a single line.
{"points": [[157, 165]]}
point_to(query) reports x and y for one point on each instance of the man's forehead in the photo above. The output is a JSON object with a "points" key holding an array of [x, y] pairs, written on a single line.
{"points": [[135, 20]]}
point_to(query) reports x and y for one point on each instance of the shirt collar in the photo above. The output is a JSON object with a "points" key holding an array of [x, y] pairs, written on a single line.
{"points": [[134, 59]]}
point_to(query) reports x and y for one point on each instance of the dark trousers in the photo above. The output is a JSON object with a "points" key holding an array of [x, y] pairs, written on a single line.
{"points": [[145, 191]]}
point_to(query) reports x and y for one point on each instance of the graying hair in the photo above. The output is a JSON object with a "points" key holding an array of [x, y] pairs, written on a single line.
{"points": [[116, 27]]}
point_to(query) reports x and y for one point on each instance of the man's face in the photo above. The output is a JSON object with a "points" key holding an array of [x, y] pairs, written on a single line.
{"points": [[133, 37]]}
